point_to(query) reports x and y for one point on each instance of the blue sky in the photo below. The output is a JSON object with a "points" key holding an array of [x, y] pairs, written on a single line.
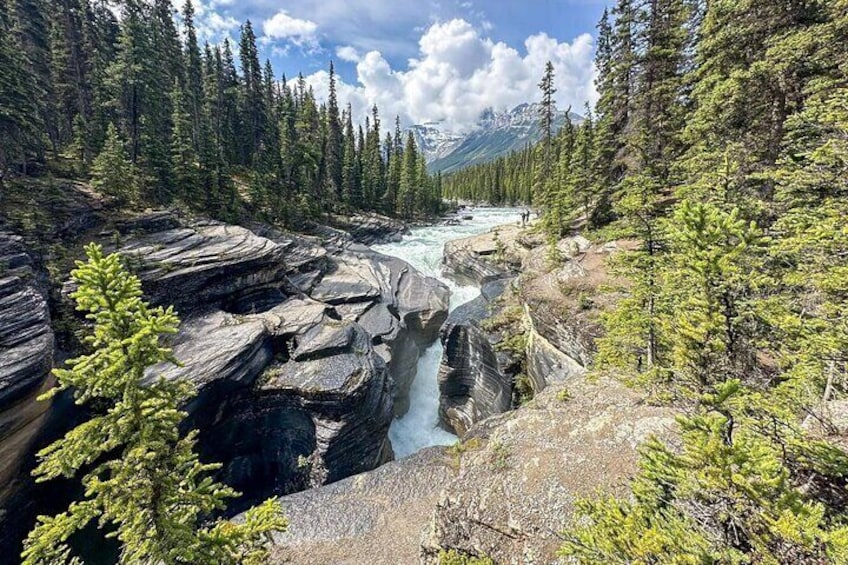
{"points": [[444, 60]]}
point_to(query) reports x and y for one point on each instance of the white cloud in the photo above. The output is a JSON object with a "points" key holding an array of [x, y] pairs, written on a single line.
{"points": [[283, 26], [459, 73], [211, 25], [348, 53]]}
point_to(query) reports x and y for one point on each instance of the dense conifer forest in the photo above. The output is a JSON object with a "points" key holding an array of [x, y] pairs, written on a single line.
{"points": [[151, 116]]}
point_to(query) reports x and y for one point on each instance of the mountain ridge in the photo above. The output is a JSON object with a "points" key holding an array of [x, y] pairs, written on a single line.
{"points": [[497, 133]]}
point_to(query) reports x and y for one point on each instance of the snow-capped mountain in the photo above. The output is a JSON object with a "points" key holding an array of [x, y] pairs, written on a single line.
{"points": [[496, 134], [435, 141]]}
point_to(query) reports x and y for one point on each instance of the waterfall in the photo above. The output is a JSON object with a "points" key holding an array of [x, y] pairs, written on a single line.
{"points": [[419, 427]]}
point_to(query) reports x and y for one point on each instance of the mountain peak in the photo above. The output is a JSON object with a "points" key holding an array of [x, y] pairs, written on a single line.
{"points": [[497, 132]]}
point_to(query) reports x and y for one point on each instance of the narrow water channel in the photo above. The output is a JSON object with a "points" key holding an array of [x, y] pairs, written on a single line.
{"points": [[419, 428]]}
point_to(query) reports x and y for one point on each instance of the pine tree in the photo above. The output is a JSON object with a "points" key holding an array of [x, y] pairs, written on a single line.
{"points": [[251, 100], [390, 198], [407, 192], [194, 74], [545, 188], [147, 481]]}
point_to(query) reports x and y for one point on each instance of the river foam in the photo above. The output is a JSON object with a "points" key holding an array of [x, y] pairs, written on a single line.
{"points": [[419, 427]]}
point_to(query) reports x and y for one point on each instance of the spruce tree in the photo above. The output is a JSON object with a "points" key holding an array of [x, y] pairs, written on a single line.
{"points": [[335, 143], [112, 171], [251, 99], [183, 155], [409, 186], [193, 74], [350, 182]]}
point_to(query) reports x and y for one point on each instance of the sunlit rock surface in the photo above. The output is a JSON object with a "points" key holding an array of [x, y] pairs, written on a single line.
{"points": [[522, 471]]}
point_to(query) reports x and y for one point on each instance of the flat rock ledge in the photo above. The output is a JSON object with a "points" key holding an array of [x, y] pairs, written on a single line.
{"points": [[522, 471], [376, 518]]}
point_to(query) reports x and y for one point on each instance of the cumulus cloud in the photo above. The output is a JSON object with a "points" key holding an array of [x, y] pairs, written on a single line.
{"points": [[458, 73], [212, 25], [283, 26], [347, 53]]}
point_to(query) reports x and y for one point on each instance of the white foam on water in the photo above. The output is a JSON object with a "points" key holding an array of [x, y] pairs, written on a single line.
{"points": [[419, 427]]}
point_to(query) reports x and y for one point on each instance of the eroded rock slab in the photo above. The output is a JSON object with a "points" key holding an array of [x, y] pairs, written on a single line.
{"points": [[398, 306], [203, 265], [473, 383], [376, 518], [344, 385], [522, 471]]}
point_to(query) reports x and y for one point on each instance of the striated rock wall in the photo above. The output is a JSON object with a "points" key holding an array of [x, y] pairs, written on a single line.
{"points": [[26, 358], [475, 380]]}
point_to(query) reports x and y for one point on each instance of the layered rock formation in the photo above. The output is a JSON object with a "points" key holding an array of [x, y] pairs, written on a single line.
{"points": [[284, 338], [26, 354], [301, 347], [475, 379], [370, 228]]}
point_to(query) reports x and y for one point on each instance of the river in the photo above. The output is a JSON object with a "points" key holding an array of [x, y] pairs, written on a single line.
{"points": [[419, 428]]}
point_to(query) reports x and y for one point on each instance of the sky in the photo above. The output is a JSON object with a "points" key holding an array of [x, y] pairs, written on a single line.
{"points": [[426, 61]]}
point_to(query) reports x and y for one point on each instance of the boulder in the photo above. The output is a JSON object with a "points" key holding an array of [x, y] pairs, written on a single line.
{"points": [[422, 304], [465, 265], [349, 279], [277, 422], [376, 517], [521, 472], [399, 307], [218, 349], [547, 363], [336, 376]]}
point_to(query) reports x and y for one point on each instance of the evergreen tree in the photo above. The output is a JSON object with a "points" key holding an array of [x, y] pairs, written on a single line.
{"points": [[408, 190], [183, 155], [395, 166], [147, 481], [20, 122], [335, 143], [112, 171], [194, 74], [251, 99], [545, 187], [350, 180]]}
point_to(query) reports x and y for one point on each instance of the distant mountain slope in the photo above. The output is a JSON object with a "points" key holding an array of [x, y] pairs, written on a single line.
{"points": [[497, 133]]}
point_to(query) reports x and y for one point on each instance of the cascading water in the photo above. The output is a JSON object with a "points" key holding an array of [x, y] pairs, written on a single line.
{"points": [[419, 427]]}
